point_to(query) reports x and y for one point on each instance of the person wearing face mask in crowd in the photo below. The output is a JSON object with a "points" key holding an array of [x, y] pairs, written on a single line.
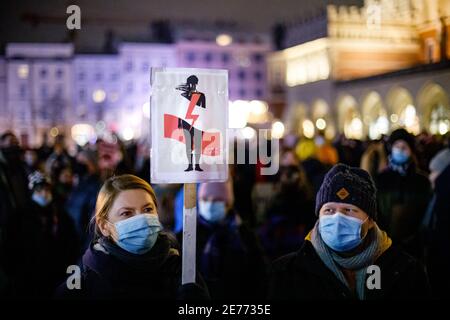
{"points": [[333, 262], [50, 243], [403, 194], [437, 225], [81, 201], [130, 257], [14, 201], [229, 256]]}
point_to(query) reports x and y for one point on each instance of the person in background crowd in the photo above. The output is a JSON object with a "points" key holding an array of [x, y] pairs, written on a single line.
{"points": [[349, 150], [31, 160], [228, 254], [81, 202], [130, 256], [437, 225], [333, 262], [314, 169], [63, 186], [45, 150], [51, 242], [325, 151], [57, 160], [290, 213], [244, 180], [427, 147], [142, 163], [374, 159], [14, 201], [4, 280], [403, 194]]}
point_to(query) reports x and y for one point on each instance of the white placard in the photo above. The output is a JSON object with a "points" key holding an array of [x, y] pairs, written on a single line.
{"points": [[189, 118]]}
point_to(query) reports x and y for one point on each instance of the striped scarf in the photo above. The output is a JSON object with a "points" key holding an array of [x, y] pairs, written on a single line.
{"points": [[379, 242]]}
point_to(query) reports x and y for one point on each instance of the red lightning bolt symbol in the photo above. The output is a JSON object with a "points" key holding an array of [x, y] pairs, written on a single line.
{"points": [[192, 104]]}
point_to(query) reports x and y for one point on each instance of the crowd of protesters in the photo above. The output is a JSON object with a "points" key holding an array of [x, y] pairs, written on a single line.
{"points": [[55, 213]]}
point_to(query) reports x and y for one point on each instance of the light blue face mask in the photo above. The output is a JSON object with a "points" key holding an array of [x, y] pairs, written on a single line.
{"points": [[399, 156], [212, 211], [340, 232], [139, 233], [41, 200]]}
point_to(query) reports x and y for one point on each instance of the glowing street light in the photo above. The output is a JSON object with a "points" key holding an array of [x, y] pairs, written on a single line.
{"points": [[98, 96], [277, 130], [394, 118], [321, 124], [308, 129], [224, 40], [248, 133], [82, 133], [238, 114], [127, 134], [22, 71]]}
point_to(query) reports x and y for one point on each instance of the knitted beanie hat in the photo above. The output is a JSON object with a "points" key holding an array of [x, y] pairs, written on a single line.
{"points": [[350, 185]]}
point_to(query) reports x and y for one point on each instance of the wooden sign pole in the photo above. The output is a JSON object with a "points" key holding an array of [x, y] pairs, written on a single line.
{"points": [[189, 233]]}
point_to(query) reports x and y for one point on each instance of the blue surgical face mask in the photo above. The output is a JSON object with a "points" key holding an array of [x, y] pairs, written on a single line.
{"points": [[41, 200], [340, 232], [139, 233], [399, 156], [212, 211]]}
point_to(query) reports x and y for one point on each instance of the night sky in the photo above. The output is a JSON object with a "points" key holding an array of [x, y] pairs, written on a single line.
{"points": [[45, 21]]}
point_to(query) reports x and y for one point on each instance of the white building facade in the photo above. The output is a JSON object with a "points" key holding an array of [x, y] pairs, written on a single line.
{"points": [[49, 88]]}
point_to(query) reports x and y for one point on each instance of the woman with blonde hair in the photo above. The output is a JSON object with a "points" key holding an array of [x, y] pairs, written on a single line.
{"points": [[130, 256]]}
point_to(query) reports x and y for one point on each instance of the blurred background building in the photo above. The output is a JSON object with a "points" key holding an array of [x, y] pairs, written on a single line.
{"points": [[50, 88], [364, 71], [361, 70]]}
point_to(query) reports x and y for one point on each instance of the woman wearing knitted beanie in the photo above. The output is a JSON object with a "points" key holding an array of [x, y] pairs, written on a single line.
{"points": [[346, 255]]}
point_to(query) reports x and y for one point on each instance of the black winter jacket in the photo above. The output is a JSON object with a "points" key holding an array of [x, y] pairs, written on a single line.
{"points": [[303, 275]]}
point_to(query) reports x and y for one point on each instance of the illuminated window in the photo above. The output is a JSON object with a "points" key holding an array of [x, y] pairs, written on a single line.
{"points": [[98, 96], [439, 120], [22, 71], [224, 40], [409, 119]]}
